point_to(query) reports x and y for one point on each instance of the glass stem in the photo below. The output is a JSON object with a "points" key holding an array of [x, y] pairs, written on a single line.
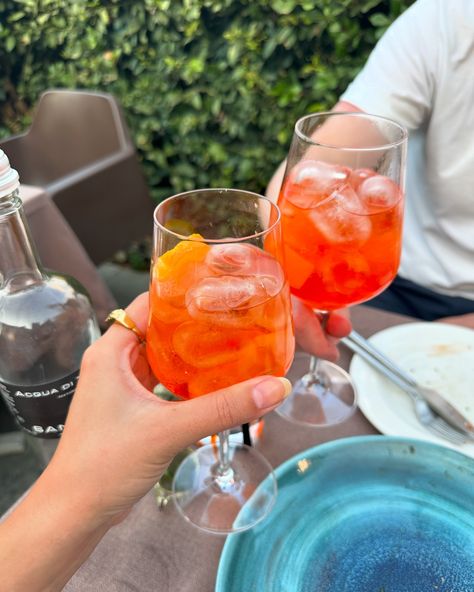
{"points": [[314, 361], [313, 366], [224, 462]]}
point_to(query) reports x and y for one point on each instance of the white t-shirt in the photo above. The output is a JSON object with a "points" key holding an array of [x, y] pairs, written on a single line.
{"points": [[421, 74]]}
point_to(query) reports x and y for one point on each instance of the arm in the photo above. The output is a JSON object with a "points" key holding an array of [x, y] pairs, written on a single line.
{"points": [[118, 440], [49, 535], [399, 78], [466, 320], [273, 188]]}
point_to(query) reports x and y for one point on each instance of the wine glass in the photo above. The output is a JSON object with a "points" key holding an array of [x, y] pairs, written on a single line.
{"points": [[341, 204], [220, 313]]}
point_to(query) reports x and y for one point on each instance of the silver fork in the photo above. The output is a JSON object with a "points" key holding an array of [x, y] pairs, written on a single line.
{"points": [[434, 423], [426, 416]]}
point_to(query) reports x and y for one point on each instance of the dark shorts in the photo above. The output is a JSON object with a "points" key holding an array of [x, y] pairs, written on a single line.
{"points": [[406, 297]]}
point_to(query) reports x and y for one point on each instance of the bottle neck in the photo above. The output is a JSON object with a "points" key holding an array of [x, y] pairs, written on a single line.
{"points": [[19, 260]]}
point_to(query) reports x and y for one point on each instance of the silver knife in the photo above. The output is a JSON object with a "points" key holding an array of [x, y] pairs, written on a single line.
{"points": [[377, 359]]}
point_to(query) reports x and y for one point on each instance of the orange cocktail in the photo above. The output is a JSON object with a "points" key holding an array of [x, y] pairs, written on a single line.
{"points": [[341, 231], [220, 314], [341, 205]]}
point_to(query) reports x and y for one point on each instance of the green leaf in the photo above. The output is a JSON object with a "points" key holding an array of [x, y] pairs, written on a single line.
{"points": [[16, 16], [10, 43], [379, 20], [283, 6]]}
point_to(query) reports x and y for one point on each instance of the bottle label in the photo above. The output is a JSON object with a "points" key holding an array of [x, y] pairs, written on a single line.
{"points": [[41, 409]]}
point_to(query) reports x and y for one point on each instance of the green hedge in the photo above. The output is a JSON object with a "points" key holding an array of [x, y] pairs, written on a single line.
{"points": [[211, 88]]}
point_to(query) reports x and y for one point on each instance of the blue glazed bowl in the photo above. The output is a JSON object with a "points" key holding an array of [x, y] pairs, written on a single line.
{"points": [[365, 514]]}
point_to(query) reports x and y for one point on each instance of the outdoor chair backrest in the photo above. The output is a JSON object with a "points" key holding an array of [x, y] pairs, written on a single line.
{"points": [[79, 150]]}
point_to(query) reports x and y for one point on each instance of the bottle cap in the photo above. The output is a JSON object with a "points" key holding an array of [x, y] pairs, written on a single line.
{"points": [[9, 179]]}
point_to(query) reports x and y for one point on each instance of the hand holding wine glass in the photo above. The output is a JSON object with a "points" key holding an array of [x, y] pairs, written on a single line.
{"points": [[118, 439]]}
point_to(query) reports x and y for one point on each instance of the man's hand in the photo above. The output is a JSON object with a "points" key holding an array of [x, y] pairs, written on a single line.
{"points": [[312, 337]]}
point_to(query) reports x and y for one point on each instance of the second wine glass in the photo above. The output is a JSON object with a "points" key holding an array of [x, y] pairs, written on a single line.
{"points": [[341, 203], [220, 314]]}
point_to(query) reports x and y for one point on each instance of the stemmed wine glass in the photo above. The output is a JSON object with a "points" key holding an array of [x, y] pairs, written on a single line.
{"points": [[341, 203], [220, 314]]}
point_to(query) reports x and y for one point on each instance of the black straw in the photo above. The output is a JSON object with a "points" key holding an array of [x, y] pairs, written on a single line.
{"points": [[246, 434]]}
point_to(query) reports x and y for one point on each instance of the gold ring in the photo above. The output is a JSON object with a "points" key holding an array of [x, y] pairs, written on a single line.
{"points": [[121, 317]]}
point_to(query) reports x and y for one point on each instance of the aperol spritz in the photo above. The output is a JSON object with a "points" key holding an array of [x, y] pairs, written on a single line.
{"points": [[341, 203], [220, 314], [351, 221]]}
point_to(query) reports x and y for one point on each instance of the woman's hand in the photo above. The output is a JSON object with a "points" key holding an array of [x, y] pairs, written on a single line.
{"points": [[119, 437], [312, 337]]}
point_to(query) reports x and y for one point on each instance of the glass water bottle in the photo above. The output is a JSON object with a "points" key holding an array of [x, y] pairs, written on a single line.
{"points": [[46, 323]]}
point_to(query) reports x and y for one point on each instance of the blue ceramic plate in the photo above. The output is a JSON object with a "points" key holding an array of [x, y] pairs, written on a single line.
{"points": [[365, 514]]}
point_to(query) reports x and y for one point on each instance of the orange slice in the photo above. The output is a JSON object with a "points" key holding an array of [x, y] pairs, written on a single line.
{"points": [[174, 262]]}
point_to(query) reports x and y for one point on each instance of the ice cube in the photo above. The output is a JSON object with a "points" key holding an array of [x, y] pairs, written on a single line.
{"points": [[259, 355], [232, 258], [242, 260], [269, 273], [311, 181], [379, 193], [343, 218], [322, 175], [358, 176], [227, 300], [271, 284], [221, 293], [203, 345]]}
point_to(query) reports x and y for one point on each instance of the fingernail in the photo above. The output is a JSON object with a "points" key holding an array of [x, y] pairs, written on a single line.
{"points": [[271, 391]]}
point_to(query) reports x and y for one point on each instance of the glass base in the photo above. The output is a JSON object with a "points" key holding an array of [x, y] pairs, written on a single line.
{"points": [[229, 502], [323, 400]]}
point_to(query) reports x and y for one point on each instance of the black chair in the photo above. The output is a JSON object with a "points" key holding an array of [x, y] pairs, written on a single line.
{"points": [[79, 150]]}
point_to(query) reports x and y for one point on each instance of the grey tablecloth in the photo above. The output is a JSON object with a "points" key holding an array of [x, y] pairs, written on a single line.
{"points": [[154, 551]]}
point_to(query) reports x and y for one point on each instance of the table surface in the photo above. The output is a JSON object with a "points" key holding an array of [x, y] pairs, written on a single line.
{"points": [[153, 551]]}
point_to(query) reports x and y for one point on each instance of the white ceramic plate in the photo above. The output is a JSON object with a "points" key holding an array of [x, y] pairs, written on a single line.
{"points": [[437, 355]]}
